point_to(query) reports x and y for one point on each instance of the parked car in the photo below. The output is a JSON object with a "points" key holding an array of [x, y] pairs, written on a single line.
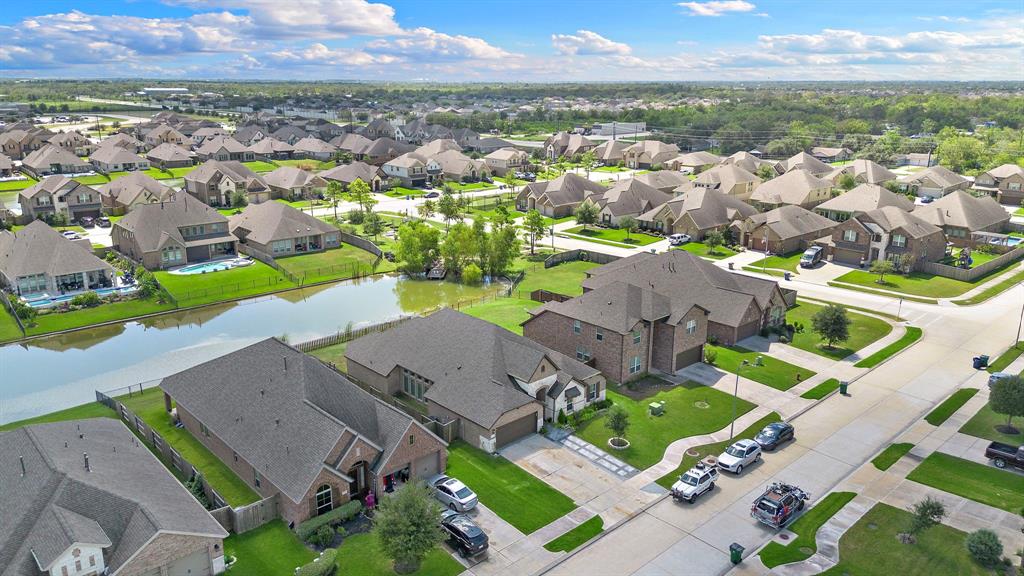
{"points": [[70, 235], [927, 199], [679, 239], [694, 482], [997, 376], [453, 493], [463, 534], [103, 222], [779, 504], [87, 221], [774, 434], [811, 257], [741, 454], [1003, 455], [431, 195]]}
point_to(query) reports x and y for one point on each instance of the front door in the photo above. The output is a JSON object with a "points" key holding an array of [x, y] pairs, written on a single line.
{"points": [[359, 485]]}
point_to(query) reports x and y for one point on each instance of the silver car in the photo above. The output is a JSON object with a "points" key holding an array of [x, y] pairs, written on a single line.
{"points": [[742, 453], [453, 493]]}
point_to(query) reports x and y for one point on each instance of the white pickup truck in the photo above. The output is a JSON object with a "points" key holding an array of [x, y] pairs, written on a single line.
{"points": [[694, 482]]}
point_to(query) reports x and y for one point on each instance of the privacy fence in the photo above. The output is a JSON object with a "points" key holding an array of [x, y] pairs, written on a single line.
{"points": [[578, 254], [972, 274]]}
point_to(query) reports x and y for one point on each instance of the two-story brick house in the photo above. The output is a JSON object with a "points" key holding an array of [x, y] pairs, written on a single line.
{"points": [[887, 233], [175, 232], [216, 182], [59, 195], [1005, 182]]}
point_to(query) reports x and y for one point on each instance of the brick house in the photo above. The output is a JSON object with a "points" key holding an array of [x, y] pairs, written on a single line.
{"points": [[696, 212], [887, 233], [289, 425], [180, 230], [961, 214], [1006, 182], [784, 230]]}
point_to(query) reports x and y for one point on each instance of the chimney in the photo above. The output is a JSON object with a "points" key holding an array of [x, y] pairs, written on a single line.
{"points": [[85, 457], [21, 460]]}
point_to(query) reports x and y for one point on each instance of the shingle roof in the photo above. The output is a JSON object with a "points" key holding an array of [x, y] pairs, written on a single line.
{"points": [[890, 218], [212, 145], [701, 158], [437, 146], [154, 225], [349, 173], [50, 154], [314, 146], [505, 154], [566, 189], [725, 176], [115, 155], [270, 145], [616, 306], [39, 249], [804, 161], [610, 150], [1005, 171], [793, 187], [866, 170], [963, 210], [866, 197], [122, 140], [664, 180], [746, 160], [271, 221], [707, 207], [127, 189], [168, 152], [59, 184], [792, 221], [292, 177], [940, 175], [231, 169], [630, 196]]}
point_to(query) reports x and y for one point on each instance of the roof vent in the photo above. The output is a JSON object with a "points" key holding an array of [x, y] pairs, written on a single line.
{"points": [[21, 460], [85, 457]]}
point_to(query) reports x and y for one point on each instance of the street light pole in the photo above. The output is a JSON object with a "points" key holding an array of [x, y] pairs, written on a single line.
{"points": [[735, 394], [899, 310], [1020, 323]]}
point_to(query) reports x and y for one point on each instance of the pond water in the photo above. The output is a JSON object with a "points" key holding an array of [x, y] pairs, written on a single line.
{"points": [[57, 372]]}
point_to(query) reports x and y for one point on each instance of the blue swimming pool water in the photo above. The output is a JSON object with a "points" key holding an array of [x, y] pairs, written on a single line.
{"points": [[44, 302], [204, 267]]}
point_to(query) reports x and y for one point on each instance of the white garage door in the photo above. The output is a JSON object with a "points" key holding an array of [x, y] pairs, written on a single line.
{"points": [[196, 564]]}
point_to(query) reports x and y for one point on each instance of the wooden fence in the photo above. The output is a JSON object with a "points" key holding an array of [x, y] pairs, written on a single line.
{"points": [[548, 296], [578, 254], [349, 334], [972, 274]]}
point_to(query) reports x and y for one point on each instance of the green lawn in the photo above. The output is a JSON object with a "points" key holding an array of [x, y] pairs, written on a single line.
{"points": [[714, 449], [870, 291], [196, 289], [93, 179], [978, 482], [856, 308], [270, 550], [690, 409], [8, 326], [610, 169], [864, 330], [337, 264], [90, 410], [317, 165], [993, 290], [303, 204], [149, 406], [1006, 358], [821, 390], [917, 283], [943, 411], [509, 491], [977, 258], [806, 527], [508, 313], [701, 249], [871, 548], [260, 166], [334, 354], [402, 192], [790, 262], [469, 186], [169, 173], [8, 185], [360, 555], [574, 538], [619, 235], [776, 373], [891, 455], [566, 278], [983, 425], [107, 312], [912, 334]]}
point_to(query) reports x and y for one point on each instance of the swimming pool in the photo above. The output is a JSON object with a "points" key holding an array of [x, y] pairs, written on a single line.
{"points": [[46, 301], [213, 266]]}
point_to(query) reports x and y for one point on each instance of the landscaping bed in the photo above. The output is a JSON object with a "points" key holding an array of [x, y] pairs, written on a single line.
{"points": [[774, 372], [912, 334], [978, 482], [806, 527], [864, 330], [620, 235]]}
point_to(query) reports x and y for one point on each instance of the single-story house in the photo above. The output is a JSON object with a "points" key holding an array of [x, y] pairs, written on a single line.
{"points": [[696, 212], [1005, 182], [166, 156], [796, 187], [314, 148], [121, 195], [887, 233], [610, 152], [960, 214], [559, 197], [783, 230], [271, 148], [628, 197], [693, 162], [829, 155], [39, 260], [288, 425], [278, 230], [116, 159], [224, 148], [862, 198], [292, 183], [346, 174], [803, 161], [61, 195], [51, 159], [936, 181], [172, 233], [214, 182]]}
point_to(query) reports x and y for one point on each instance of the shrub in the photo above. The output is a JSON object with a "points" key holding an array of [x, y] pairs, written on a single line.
{"points": [[712, 339], [22, 310], [472, 274], [985, 547], [603, 404], [356, 216], [322, 537], [710, 355], [562, 420], [88, 299], [339, 515], [322, 566], [783, 339]]}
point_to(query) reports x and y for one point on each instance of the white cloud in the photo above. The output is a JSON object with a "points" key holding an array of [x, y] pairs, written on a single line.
{"points": [[320, 55], [310, 18], [425, 44], [717, 7], [585, 42]]}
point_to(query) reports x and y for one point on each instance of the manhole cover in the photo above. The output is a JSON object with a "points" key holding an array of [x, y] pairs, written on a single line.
{"points": [[701, 404], [806, 550], [692, 453], [783, 536]]}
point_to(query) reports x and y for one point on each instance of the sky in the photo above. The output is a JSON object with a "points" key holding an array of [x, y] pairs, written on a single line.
{"points": [[514, 40]]}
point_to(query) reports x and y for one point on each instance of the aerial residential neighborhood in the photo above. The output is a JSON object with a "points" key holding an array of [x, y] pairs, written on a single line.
{"points": [[354, 288]]}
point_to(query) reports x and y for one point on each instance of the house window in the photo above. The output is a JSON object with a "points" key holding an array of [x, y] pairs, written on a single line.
{"points": [[691, 326], [592, 390], [78, 565], [634, 365], [281, 246], [92, 560], [1015, 186], [850, 235], [204, 429], [170, 254], [899, 240], [234, 455], [569, 408], [582, 354], [84, 198], [64, 570], [412, 439], [636, 336], [576, 327], [323, 499], [599, 335]]}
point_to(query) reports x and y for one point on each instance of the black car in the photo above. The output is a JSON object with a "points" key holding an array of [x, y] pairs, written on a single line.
{"points": [[429, 195], [774, 434], [87, 221], [103, 222], [463, 534]]}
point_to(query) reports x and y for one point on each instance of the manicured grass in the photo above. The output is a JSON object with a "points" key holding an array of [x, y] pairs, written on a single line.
{"points": [[983, 425], [821, 390], [877, 292], [303, 204], [714, 449], [90, 410], [169, 173], [943, 411], [610, 169], [977, 258], [1006, 358], [701, 249], [106, 312], [92, 179], [8, 326], [790, 262], [270, 550], [566, 278], [78, 229], [508, 313], [195, 289], [856, 308], [864, 330], [768, 271], [774, 372], [260, 166], [361, 555], [509, 491], [7, 185], [470, 186], [149, 405], [316, 165], [346, 261], [913, 334], [573, 538], [335, 354], [619, 235], [871, 548], [978, 482], [917, 283], [891, 455], [690, 409], [993, 290], [402, 192], [806, 527], [593, 240]]}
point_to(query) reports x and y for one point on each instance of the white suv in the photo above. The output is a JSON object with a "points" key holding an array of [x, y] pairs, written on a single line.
{"points": [[679, 239], [694, 482], [453, 493], [742, 453]]}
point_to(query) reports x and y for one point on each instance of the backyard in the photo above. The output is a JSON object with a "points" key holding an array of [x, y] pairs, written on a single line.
{"points": [[334, 354], [105, 312], [566, 278], [703, 250], [690, 409], [90, 410], [864, 330], [620, 235], [508, 313], [8, 327], [517, 496], [270, 550], [978, 482], [340, 263], [196, 289], [773, 372]]}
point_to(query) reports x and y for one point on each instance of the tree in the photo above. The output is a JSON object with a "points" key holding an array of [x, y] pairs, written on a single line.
{"points": [[586, 213], [449, 207], [882, 267], [239, 199], [373, 224], [406, 526], [985, 547], [503, 247], [588, 159], [847, 182], [458, 247], [334, 193], [472, 274], [926, 514], [195, 486], [360, 192], [427, 209], [765, 172], [961, 153], [417, 246], [1007, 397], [629, 224], [617, 421], [832, 324], [535, 228], [713, 240]]}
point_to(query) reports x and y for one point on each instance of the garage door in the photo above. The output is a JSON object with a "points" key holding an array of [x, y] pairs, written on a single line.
{"points": [[756, 243], [747, 330], [846, 256], [196, 564], [687, 357], [426, 466], [516, 429]]}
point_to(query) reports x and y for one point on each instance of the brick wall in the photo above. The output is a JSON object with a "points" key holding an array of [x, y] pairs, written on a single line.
{"points": [[610, 354], [424, 445]]}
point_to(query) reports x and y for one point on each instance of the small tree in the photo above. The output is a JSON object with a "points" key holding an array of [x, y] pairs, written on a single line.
{"points": [[535, 228], [586, 213], [449, 207], [427, 209], [1007, 397], [617, 421], [882, 267], [334, 193], [360, 192], [472, 274], [629, 224], [832, 324], [926, 514], [239, 199], [406, 526], [588, 159], [765, 172], [713, 240], [985, 547], [195, 486], [847, 182], [373, 224]]}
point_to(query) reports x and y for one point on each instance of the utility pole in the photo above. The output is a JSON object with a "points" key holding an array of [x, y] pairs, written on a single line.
{"points": [[735, 394], [1020, 323]]}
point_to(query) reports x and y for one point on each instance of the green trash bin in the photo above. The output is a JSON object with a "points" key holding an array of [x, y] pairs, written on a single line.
{"points": [[736, 553], [842, 387]]}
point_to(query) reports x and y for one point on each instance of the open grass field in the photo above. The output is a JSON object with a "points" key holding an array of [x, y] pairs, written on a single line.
{"points": [[196, 289], [864, 330], [773, 372], [337, 264], [986, 484], [620, 235], [806, 526]]}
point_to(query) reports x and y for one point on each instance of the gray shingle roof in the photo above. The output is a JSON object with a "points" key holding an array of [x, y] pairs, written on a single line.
{"points": [[235, 171], [940, 175], [726, 176], [39, 249], [804, 161], [793, 187], [314, 146], [890, 218], [792, 221], [630, 196], [127, 189], [349, 173], [271, 221], [866, 170], [270, 145], [114, 155], [168, 152], [292, 177], [154, 225], [50, 154], [565, 190], [60, 185], [212, 145], [963, 210], [664, 180], [707, 207], [866, 197]]}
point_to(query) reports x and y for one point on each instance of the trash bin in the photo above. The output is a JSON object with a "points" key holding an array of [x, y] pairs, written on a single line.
{"points": [[786, 275], [980, 362], [842, 387], [736, 553], [730, 266]]}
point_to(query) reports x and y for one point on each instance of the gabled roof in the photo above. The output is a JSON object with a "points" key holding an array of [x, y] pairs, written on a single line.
{"points": [[115, 155], [707, 208], [168, 152], [940, 175], [456, 163], [629, 196], [292, 177], [155, 225], [652, 149], [315, 146], [700, 158], [506, 154], [348, 173], [127, 189], [804, 161], [866, 197], [725, 176], [610, 150], [867, 170], [40, 249], [1005, 171], [664, 180], [616, 306], [5, 162], [793, 187], [791, 221], [384, 147], [231, 169], [271, 145], [437, 146], [213, 145], [50, 154], [747, 161], [270, 221], [58, 184], [891, 218], [69, 139], [567, 189], [122, 140], [352, 142], [963, 210]]}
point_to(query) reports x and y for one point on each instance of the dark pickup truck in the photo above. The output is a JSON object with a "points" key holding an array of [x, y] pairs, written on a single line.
{"points": [[1003, 455]]}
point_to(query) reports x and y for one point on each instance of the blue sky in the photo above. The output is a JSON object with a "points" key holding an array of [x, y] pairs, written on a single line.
{"points": [[454, 40]]}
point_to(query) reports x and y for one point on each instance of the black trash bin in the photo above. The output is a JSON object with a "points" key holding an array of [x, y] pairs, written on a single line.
{"points": [[736, 553], [786, 275], [980, 362], [842, 387]]}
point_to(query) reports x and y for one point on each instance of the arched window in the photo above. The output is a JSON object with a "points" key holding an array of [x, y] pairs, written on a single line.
{"points": [[323, 499]]}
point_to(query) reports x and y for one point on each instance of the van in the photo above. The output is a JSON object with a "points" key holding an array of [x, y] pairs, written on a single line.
{"points": [[811, 257], [678, 239]]}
